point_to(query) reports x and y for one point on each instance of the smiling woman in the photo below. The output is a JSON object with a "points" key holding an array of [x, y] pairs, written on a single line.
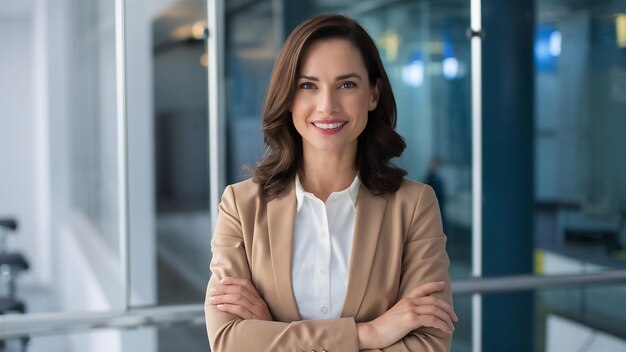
{"points": [[328, 247], [330, 107], [343, 42]]}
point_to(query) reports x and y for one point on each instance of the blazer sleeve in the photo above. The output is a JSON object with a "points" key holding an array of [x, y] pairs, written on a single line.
{"points": [[228, 332], [424, 260]]}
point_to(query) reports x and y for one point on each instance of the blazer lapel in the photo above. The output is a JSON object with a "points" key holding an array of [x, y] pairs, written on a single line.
{"points": [[280, 221], [370, 210]]}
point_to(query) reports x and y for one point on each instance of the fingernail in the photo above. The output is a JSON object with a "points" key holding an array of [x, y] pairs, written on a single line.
{"points": [[441, 282], [212, 299], [220, 306], [212, 289]]}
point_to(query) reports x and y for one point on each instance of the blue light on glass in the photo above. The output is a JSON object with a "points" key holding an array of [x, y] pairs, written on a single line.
{"points": [[547, 47]]}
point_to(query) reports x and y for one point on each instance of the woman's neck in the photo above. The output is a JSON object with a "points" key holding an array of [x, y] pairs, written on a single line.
{"points": [[325, 175]]}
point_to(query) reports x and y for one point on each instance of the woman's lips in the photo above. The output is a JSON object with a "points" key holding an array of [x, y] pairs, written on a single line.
{"points": [[328, 127]]}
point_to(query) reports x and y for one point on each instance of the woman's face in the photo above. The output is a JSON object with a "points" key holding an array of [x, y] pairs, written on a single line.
{"points": [[333, 97]]}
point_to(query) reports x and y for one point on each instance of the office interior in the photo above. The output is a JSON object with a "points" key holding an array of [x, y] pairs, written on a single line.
{"points": [[114, 150]]}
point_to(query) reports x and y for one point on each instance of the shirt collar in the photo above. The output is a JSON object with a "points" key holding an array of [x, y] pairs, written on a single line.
{"points": [[352, 191]]}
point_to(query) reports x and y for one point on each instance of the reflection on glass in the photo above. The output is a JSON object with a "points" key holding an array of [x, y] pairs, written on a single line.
{"points": [[579, 319], [92, 120], [580, 199], [428, 64], [251, 47], [426, 53], [59, 151], [580, 93], [169, 221], [184, 336], [168, 151]]}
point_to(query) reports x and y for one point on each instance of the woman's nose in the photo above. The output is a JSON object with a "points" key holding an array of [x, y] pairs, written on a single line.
{"points": [[327, 102]]}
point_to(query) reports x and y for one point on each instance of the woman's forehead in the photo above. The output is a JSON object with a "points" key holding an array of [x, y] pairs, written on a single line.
{"points": [[331, 56]]}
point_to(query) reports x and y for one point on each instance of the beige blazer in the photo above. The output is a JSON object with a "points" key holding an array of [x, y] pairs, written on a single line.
{"points": [[398, 243]]}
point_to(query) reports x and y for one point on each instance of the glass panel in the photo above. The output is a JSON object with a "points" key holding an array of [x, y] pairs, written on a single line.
{"points": [[588, 306], [93, 124], [462, 338], [576, 319], [253, 40], [109, 339], [58, 148], [427, 57], [184, 336], [580, 198], [428, 61], [168, 151]]}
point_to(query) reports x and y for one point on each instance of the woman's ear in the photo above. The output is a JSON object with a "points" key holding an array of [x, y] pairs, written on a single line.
{"points": [[374, 96]]}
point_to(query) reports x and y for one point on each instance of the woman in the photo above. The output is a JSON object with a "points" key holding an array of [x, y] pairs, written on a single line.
{"points": [[328, 247]]}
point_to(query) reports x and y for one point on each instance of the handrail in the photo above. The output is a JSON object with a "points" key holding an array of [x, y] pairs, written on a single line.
{"points": [[532, 282], [13, 326]]}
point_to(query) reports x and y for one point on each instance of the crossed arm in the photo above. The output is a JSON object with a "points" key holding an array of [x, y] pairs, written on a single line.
{"points": [[422, 320], [418, 309]]}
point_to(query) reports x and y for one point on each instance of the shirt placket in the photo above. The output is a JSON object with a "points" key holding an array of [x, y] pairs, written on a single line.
{"points": [[322, 264]]}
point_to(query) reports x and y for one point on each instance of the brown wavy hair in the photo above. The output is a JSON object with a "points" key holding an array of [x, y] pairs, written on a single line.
{"points": [[377, 144]]}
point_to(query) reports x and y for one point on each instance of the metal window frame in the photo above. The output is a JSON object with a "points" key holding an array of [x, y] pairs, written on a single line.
{"points": [[122, 149], [217, 123], [477, 166]]}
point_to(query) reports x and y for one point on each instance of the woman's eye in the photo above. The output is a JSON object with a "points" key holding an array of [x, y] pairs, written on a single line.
{"points": [[306, 86], [347, 85]]}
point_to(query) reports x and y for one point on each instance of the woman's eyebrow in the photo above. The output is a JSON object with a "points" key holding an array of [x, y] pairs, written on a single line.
{"points": [[349, 75], [338, 78]]}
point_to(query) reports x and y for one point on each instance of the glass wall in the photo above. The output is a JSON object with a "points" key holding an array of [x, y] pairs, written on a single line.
{"points": [[580, 196], [60, 151], [93, 132], [168, 151], [168, 126]]}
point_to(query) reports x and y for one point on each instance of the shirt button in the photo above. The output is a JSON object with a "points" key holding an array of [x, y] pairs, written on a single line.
{"points": [[323, 271], [323, 309], [324, 234]]}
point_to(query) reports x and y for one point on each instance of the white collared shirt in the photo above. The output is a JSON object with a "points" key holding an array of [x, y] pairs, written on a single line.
{"points": [[322, 246]]}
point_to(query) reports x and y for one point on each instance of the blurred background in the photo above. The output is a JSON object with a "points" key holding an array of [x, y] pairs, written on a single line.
{"points": [[116, 213]]}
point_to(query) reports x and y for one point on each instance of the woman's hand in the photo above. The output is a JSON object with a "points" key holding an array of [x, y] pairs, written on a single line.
{"points": [[416, 310], [239, 297]]}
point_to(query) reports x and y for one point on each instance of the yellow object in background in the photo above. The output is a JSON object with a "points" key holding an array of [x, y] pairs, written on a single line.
{"points": [[539, 257], [620, 30]]}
